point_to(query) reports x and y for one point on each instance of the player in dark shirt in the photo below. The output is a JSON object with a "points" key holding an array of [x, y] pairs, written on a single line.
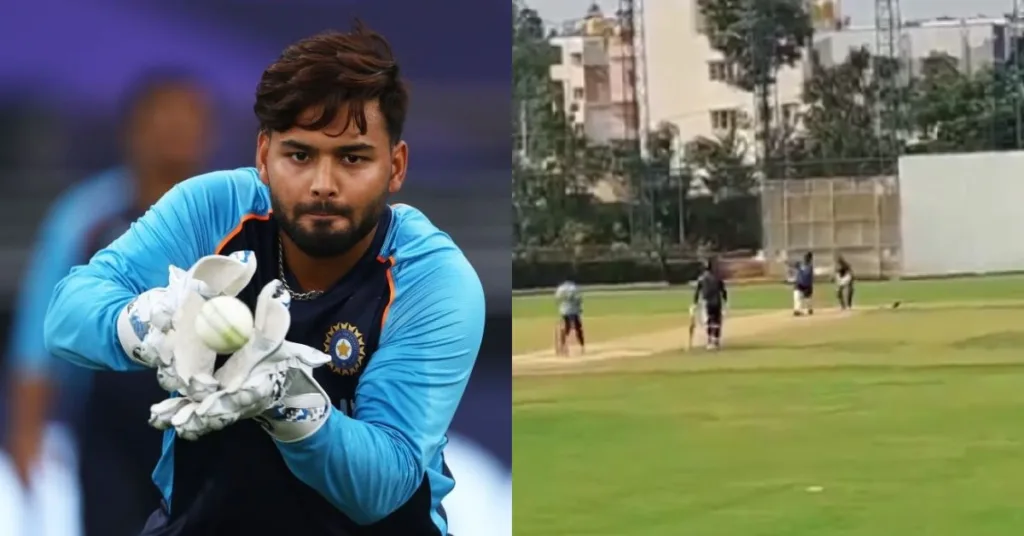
{"points": [[711, 292], [844, 283]]}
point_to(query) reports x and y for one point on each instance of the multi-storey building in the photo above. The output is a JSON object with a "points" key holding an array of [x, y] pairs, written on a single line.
{"points": [[594, 73]]}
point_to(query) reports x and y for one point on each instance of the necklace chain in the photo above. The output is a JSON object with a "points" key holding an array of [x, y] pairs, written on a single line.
{"points": [[300, 296]]}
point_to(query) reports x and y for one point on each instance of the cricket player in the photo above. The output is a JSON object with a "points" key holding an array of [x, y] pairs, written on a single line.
{"points": [[60, 415], [570, 307], [844, 283], [331, 419], [803, 286], [710, 292]]}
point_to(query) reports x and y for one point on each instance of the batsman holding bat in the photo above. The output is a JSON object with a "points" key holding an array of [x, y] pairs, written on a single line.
{"points": [[711, 292], [570, 308]]}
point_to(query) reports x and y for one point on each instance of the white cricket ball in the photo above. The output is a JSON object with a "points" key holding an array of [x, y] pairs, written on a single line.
{"points": [[224, 324]]}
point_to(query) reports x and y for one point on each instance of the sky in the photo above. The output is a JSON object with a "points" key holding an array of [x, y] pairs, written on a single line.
{"points": [[861, 11]]}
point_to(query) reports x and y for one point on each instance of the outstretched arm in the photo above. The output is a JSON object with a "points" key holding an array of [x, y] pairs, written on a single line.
{"points": [[182, 227]]}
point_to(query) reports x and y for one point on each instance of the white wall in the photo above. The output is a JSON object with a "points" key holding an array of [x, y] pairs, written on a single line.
{"points": [[962, 213]]}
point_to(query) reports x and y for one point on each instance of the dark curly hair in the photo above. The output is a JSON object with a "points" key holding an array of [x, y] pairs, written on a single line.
{"points": [[333, 69]]}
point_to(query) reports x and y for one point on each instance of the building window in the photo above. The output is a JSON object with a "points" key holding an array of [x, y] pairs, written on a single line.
{"points": [[723, 119], [789, 112], [700, 22], [578, 93], [576, 58], [719, 71]]}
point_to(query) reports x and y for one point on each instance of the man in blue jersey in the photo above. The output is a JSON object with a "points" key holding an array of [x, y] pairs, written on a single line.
{"points": [[165, 140], [803, 286], [335, 276]]}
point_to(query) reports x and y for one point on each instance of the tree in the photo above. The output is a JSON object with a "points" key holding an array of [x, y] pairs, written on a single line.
{"points": [[757, 38], [840, 135], [534, 98], [720, 164], [959, 112], [727, 216], [539, 128], [555, 165]]}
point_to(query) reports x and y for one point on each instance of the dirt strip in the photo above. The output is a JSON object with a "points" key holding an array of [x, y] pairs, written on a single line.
{"points": [[647, 344]]}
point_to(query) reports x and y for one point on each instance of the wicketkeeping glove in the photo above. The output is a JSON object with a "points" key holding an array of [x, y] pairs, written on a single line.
{"points": [[157, 329], [269, 379]]}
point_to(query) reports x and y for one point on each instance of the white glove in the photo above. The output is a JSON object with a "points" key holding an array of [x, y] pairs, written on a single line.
{"points": [[157, 329], [693, 309], [269, 378]]}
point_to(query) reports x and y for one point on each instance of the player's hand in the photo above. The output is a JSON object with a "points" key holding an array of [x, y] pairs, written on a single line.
{"points": [[157, 328], [269, 378], [693, 309]]}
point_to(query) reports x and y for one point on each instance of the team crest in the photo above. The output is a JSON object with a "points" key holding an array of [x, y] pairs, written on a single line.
{"points": [[344, 343]]}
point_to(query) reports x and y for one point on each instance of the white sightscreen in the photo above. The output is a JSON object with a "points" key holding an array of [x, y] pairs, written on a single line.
{"points": [[961, 213]]}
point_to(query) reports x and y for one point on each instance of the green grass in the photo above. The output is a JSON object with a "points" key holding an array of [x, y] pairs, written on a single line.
{"points": [[909, 420], [774, 296]]}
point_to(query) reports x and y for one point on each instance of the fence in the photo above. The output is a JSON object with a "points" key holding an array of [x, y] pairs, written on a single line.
{"points": [[858, 218]]}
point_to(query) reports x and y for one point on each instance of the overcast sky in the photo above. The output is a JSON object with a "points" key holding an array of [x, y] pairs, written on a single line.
{"points": [[861, 11]]}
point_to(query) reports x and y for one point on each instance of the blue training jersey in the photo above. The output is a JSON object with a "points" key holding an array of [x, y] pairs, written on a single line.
{"points": [[804, 276], [403, 329], [73, 229]]}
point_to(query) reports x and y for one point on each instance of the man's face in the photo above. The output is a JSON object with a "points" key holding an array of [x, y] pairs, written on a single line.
{"points": [[172, 130], [329, 187]]}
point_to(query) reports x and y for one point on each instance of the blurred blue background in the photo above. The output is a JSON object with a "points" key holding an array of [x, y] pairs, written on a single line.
{"points": [[66, 67]]}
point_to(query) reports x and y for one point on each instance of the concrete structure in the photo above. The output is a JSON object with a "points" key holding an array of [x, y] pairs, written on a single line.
{"points": [[688, 81], [960, 213], [976, 43], [593, 73], [856, 217]]}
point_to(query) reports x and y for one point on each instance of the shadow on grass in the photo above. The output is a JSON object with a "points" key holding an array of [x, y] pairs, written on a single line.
{"points": [[1002, 340], [873, 347]]}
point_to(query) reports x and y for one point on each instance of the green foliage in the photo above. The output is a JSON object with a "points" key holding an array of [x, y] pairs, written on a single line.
{"points": [[956, 112], [756, 36], [545, 273], [840, 134], [850, 116], [555, 166]]}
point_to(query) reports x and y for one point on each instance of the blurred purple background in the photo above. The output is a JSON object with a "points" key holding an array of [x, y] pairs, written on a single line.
{"points": [[65, 65]]}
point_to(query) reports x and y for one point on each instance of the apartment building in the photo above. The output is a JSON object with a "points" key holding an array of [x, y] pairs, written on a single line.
{"points": [[976, 43], [595, 73], [688, 81]]}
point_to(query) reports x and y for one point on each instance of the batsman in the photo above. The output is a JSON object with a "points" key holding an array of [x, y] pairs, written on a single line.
{"points": [[711, 292]]}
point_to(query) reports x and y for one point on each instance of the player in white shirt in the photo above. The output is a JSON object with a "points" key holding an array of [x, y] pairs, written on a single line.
{"points": [[570, 307]]}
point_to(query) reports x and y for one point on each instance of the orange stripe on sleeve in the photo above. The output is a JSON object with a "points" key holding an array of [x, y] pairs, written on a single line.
{"points": [[390, 261], [238, 228]]}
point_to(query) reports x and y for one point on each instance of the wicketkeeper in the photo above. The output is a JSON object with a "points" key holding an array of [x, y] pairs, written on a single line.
{"points": [[844, 283]]}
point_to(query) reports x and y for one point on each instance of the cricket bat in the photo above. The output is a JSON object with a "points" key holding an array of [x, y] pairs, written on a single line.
{"points": [[692, 328]]}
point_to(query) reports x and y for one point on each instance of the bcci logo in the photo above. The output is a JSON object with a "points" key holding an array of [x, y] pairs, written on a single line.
{"points": [[345, 345]]}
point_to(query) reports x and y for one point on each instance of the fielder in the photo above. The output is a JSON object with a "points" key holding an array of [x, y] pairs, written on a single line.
{"points": [[844, 283], [803, 286], [570, 307], [272, 442], [710, 292]]}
